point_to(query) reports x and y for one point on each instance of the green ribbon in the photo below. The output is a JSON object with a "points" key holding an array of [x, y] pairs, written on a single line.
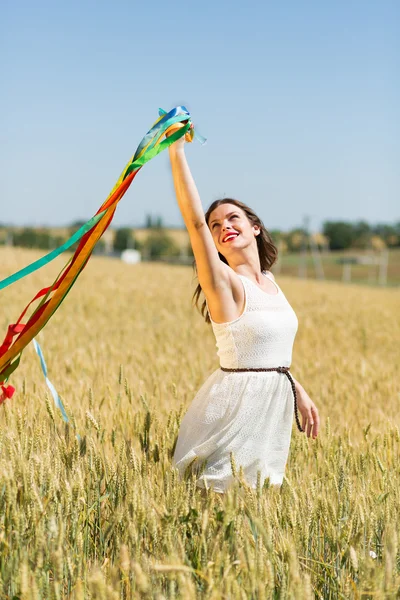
{"points": [[152, 152]]}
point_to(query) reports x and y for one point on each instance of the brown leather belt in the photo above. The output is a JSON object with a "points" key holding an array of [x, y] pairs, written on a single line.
{"points": [[284, 370]]}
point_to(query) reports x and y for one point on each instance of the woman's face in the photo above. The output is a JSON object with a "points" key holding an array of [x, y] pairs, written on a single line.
{"points": [[231, 229]]}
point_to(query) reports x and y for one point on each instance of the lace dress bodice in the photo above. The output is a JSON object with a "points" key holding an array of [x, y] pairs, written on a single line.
{"points": [[263, 335]]}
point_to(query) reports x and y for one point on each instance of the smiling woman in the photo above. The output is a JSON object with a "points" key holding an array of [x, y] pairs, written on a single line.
{"points": [[243, 413], [230, 229]]}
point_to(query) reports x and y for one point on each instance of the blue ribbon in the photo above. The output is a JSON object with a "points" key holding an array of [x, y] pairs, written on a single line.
{"points": [[54, 393]]}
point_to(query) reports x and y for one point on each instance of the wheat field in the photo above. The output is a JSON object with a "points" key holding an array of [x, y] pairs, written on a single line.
{"points": [[105, 515]]}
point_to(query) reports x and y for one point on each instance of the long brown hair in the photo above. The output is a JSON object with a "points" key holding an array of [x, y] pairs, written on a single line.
{"points": [[267, 251]]}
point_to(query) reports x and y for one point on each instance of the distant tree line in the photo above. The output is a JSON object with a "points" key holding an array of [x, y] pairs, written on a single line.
{"points": [[32, 238], [335, 235], [342, 235], [158, 243]]}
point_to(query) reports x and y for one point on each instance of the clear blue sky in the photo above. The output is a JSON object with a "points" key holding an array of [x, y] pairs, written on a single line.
{"points": [[299, 101]]}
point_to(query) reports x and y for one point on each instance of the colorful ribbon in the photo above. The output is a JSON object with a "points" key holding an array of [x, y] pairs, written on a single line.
{"points": [[56, 397], [51, 297]]}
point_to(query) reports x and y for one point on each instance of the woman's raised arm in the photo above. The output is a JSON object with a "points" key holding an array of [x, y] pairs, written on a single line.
{"points": [[185, 188], [212, 272]]}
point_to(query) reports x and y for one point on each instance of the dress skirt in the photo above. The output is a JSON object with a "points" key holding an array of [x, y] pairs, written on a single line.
{"points": [[247, 413]]}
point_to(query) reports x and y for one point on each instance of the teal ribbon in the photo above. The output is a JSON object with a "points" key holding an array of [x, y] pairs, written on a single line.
{"points": [[51, 255]]}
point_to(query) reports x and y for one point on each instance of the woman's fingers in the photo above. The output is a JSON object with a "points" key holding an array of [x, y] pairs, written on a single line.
{"points": [[303, 420], [316, 421], [310, 423]]}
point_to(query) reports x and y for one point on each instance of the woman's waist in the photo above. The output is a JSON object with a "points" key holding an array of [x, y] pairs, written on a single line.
{"points": [[278, 368], [238, 359], [257, 368]]}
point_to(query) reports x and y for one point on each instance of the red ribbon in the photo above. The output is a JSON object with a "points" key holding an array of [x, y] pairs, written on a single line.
{"points": [[7, 392], [12, 331]]}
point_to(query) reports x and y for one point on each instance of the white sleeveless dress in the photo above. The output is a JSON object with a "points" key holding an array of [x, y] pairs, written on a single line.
{"points": [[247, 413]]}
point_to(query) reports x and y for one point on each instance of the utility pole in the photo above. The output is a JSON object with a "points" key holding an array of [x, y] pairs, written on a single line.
{"points": [[304, 244], [383, 266], [315, 253]]}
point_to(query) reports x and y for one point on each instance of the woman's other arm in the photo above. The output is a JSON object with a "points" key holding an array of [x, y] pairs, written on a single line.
{"points": [[308, 411]]}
